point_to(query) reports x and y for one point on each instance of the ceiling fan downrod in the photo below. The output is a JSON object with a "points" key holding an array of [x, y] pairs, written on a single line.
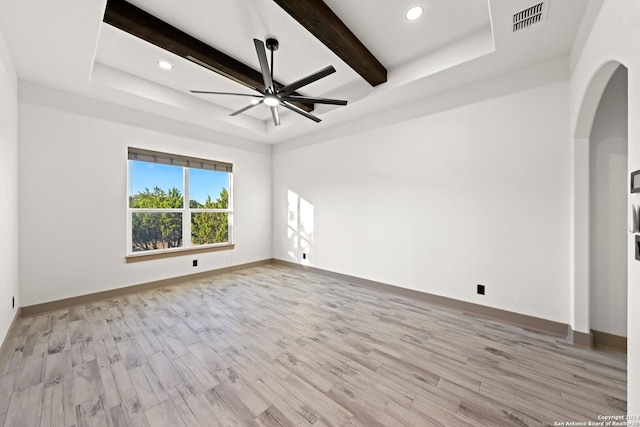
{"points": [[273, 45]]}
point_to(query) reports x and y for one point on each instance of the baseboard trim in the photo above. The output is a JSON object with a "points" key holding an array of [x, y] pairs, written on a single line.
{"points": [[521, 320], [5, 348], [609, 341], [46, 307], [580, 339]]}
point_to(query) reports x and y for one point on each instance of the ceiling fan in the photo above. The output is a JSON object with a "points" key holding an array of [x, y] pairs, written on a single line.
{"points": [[274, 96]]}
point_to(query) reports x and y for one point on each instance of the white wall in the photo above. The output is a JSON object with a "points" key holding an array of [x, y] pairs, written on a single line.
{"points": [[609, 189], [73, 194], [8, 190], [474, 194], [613, 37]]}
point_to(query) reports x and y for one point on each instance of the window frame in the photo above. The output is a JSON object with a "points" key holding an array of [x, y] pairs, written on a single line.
{"points": [[186, 211]]}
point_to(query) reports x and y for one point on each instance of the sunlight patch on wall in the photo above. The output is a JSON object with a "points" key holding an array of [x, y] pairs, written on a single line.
{"points": [[301, 226]]}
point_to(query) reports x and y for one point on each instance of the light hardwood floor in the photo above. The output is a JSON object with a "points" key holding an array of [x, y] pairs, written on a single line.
{"points": [[273, 346]]}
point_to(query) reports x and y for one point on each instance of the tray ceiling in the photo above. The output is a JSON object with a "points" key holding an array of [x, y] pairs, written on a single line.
{"points": [[455, 42]]}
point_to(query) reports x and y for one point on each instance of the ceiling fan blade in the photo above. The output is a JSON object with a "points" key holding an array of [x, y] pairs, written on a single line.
{"points": [[306, 80], [206, 92], [276, 115], [299, 111], [242, 110], [264, 65], [311, 100]]}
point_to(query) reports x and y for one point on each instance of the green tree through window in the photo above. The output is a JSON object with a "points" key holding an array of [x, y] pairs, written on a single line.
{"points": [[211, 227]]}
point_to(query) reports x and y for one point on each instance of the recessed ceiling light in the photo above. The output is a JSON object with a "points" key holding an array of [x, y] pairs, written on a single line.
{"points": [[414, 13], [165, 65]]}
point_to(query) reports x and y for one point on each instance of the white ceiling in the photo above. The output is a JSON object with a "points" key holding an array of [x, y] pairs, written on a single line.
{"points": [[65, 45]]}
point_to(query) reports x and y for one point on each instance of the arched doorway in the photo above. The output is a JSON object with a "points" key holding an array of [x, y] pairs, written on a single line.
{"points": [[583, 240], [608, 167]]}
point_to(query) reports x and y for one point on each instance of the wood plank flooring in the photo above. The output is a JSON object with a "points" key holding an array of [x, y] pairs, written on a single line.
{"points": [[273, 346]]}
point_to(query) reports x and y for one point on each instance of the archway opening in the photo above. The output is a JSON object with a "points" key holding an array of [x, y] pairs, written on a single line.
{"points": [[580, 205], [608, 189]]}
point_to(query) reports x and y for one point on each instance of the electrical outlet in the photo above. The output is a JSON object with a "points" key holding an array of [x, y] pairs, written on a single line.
{"points": [[195, 262], [480, 289]]}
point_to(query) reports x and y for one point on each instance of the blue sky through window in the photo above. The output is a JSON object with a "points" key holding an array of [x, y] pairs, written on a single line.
{"points": [[205, 182], [202, 182]]}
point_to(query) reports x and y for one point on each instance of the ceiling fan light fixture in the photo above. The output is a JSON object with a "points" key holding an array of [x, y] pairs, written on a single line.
{"points": [[165, 65], [271, 100], [414, 12]]}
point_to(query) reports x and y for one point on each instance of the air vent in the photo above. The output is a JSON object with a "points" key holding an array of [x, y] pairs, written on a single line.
{"points": [[529, 16]]}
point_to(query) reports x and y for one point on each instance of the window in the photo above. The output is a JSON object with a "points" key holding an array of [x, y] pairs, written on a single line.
{"points": [[177, 203]]}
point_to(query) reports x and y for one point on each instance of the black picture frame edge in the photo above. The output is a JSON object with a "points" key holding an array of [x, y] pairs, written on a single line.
{"points": [[633, 175]]}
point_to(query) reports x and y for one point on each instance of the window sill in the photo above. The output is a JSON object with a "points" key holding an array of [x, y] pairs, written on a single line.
{"points": [[176, 252]]}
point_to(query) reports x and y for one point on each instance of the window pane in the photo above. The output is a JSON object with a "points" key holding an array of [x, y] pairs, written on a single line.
{"points": [[153, 230], [208, 189], [152, 185], [209, 227]]}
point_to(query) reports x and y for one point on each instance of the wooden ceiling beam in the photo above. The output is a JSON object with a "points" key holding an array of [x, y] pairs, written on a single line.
{"points": [[320, 21], [145, 26]]}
